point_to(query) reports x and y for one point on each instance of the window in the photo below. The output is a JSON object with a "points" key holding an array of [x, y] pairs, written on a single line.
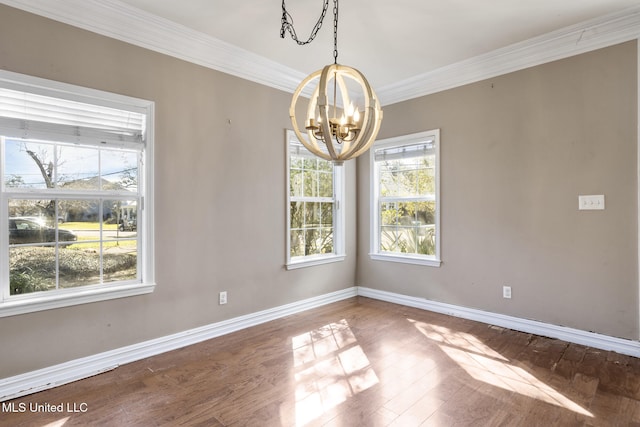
{"points": [[75, 195], [314, 207], [406, 199]]}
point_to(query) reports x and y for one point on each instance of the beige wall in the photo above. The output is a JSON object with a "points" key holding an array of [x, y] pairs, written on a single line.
{"points": [[516, 151], [220, 197]]}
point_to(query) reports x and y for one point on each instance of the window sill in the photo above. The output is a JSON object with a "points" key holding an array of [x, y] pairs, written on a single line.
{"points": [[309, 262], [406, 259], [42, 302]]}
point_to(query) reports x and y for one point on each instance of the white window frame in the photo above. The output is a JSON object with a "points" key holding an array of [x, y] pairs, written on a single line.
{"points": [[375, 253], [338, 215], [11, 305]]}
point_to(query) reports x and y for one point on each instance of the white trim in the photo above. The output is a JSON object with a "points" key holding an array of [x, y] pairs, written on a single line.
{"points": [[120, 21], [53, 376], [406, 259], [69, 297], [577, 336], [312, 261], [56, 89]]}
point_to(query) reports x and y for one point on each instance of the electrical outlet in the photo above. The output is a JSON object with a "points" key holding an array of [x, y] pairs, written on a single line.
{"points": [[222, 298], [506, 292]]}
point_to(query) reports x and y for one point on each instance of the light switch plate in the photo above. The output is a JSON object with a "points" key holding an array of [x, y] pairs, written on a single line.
{"points": [[591, 202]]}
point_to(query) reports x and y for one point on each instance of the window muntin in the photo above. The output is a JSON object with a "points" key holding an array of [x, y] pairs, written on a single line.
{"points": [[405, 222], [75, 195], [314, 193]]}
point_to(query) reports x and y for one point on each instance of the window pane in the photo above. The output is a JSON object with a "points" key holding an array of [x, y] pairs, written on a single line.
{"points": [[407, 177], [296, 162], [325, 165], [35, 222], [119, 170], [425, 212], [326, 184], [312, 214], [120, 260], [84, 214], [427, 176], [79, 265], [310, 183], [326, 214], [389, 239], [388, 213], [120, 219], [297, 215], [326, 246], [310, 163], [78, 168], [297, 242], [415, 239], [295, 183], [312, 241], [32, 269], [22, 165], [388, 186]]}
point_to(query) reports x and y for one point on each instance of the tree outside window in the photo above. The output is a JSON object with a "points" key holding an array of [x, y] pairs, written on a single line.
{"points": [[406, 193], [314, 194]]}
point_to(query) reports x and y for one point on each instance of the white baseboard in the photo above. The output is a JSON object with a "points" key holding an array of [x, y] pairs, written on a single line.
{"points": [[590, 339], [53, 376]]}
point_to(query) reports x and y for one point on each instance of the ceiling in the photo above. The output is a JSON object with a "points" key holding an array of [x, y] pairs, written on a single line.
{"points": [[386, 40], [391, 42]]}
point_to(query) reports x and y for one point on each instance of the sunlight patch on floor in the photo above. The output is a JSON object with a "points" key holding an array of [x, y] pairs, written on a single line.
{"points": [[330, 368], [485, 364]]}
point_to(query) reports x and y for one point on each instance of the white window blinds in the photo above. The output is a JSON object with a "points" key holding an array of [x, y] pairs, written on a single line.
{"points": [[34, 116], [299, 150], [406, 151]]}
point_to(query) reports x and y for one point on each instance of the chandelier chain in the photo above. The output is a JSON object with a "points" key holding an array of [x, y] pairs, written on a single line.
{"points": [[287, 24], [335, 31]]}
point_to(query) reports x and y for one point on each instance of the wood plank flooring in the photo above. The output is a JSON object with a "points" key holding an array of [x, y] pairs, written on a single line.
{"points": [[358, 362]]}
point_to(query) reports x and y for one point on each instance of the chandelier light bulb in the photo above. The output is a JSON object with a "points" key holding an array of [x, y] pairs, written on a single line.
{"points": [[328, 136]]}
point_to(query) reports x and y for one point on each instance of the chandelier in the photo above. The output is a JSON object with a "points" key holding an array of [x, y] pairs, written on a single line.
{"points": [[342, 116]]}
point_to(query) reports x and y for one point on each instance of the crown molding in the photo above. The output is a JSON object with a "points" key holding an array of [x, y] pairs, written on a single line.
{"points": [[587, 36], [120, 21]]}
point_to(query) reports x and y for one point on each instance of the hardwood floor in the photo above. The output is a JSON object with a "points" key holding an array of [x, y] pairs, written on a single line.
{"points": [[358, 362]]}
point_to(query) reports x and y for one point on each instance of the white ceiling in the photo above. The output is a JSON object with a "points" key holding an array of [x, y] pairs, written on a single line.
{"points": [[386, 40], [401, 46]]}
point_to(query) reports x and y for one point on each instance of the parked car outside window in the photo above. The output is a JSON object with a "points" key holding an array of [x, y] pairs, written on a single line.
{"points": [[26, 230]]}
